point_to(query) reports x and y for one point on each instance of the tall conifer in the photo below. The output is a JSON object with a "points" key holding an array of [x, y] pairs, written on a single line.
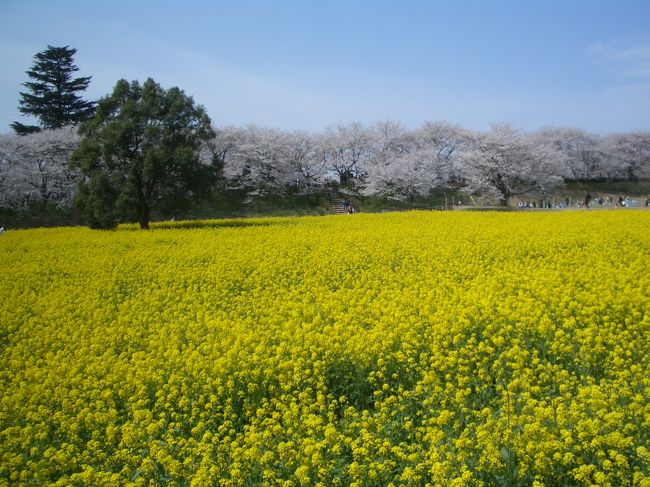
{"points": [[52, 92]]}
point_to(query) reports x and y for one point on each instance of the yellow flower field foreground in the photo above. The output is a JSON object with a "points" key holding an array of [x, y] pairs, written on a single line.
{"points": [[407, 348]]}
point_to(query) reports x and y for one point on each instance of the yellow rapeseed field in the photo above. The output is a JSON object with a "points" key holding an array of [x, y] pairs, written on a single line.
{"points": [[399, 349]]}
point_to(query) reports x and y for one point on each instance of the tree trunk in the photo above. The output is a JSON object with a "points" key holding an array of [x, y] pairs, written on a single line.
{"points": [[144, 217], [346, 179], [143, 206], [504, 192], [45, 194]]}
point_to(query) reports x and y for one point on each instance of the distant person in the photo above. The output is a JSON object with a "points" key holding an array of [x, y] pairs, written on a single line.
{"points": [[587, 200], [2, 229]]}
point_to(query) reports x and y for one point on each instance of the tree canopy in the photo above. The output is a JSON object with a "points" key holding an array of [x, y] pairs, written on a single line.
{"points": [[52, 95], [34, 167], [141, 152]]}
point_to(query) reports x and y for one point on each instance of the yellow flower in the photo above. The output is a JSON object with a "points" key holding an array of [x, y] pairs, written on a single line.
{"points": [[416, 347]]}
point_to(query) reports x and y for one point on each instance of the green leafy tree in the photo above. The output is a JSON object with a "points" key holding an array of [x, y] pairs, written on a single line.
{"points": [[142, 151], [53, 92]]}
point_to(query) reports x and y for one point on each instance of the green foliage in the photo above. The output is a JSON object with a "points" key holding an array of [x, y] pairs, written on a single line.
{"points": [[626, 187], [22, 129], [92, 197], [141, 153], [39, 214], [52, 95]]}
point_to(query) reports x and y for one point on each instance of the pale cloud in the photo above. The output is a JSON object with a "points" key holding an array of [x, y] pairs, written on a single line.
{"points": [[624, 59], [624, 99]]}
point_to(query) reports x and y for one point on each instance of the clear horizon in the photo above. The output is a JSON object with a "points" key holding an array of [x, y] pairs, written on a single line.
{"points": [[310, 65]]}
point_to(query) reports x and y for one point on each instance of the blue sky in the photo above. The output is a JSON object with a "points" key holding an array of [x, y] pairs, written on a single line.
{"points": [[308, 64]]}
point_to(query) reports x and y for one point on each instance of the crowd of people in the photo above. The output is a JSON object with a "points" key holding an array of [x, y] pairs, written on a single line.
{"points": [[588, 201]]}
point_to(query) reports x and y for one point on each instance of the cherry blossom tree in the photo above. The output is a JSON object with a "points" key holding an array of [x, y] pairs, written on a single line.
{"points": [[442, 143], [225, 142], [258, 159], [35, 167], [305, 159], [628, 154], [346, 149], [395, 169], [408, 163], [504, 162], [6, 170], [579, 153], [403, 176]]}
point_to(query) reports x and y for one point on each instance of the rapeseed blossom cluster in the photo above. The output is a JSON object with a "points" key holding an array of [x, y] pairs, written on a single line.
{"points": [[399, 349]]}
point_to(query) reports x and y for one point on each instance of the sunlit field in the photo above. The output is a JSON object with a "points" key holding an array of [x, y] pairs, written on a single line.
{"points": [[420, 348]]}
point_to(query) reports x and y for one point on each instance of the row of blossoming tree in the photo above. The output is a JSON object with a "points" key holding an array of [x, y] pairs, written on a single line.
{"points": [[385, 159]]}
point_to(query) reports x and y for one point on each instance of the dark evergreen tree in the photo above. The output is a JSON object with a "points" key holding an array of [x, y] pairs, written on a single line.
{"points": [[141, 152], [53, 92]]}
